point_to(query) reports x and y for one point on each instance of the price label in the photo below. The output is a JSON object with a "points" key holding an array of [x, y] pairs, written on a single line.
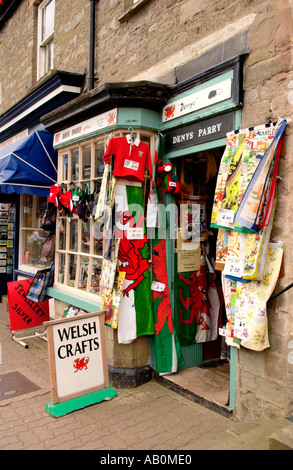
{"points": [[135, 233], [225, 215], [131, 165], [158, 286], [234, 267]]}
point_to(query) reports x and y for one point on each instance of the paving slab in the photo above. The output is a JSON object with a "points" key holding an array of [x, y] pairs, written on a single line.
{"points": [[151, 417]]}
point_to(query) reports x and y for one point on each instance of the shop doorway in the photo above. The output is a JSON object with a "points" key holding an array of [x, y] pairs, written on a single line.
{"points": [[205, 376]]}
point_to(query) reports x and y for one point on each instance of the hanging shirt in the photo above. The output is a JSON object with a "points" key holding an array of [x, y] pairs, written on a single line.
{"points": [[131, 158]]}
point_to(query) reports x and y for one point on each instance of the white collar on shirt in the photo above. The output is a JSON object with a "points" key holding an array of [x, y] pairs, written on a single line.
{"points": [[133, 142]]}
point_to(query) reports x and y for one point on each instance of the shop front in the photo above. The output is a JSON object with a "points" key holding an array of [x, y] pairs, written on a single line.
{"points": [[92, 200], [148, 227], [28, 168]]}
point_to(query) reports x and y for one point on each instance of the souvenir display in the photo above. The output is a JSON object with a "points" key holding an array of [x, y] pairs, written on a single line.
{"points": [[223, 278], [131, 157], [167, 350], [243, 210], [247, 304], [7, 225], [136, 310]]}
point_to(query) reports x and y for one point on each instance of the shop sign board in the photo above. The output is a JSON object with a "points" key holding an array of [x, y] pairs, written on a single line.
{"points": [[83, 129], [77, 356], [25, 313], [199, 132], [212, 94]]}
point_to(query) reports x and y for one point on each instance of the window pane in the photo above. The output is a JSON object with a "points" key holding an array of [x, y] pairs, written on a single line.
{"points": [[96, 276], [27, 210], [41, 208], [32, 242], [98, 238], [48, 18], [62, 234], [72, 270], [64, 167], [145, 139], [61, 268], [83, 272], [86, 163], [85, 237], [75, 165], [73, 235], [99, 164]]}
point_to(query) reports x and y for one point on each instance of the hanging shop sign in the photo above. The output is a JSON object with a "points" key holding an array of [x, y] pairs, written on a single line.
{"points": [[25, 313], [209, 96], [199, 132], [85, 128], [77, 356]]}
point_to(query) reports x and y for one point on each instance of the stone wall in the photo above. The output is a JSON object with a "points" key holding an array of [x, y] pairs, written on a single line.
{"points": [[266, 379], [16, 56]]}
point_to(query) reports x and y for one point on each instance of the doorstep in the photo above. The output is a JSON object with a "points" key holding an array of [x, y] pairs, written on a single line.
{"points": [[206, 386]]}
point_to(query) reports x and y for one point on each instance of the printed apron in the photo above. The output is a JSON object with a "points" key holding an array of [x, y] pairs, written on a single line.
{"points": [[246, 304], [255, 208], [136, 310]]}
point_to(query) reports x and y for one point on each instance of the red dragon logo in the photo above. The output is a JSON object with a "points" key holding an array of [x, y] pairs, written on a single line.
{"points": [[80, 364], [160, 272], [131, 260], [169, 112], [111, 118], [197, 299]]}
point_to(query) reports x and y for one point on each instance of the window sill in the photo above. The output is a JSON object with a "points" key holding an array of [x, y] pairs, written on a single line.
{"points": [[133, 10]]}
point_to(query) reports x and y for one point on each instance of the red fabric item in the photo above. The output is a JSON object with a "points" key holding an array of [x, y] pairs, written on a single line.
{"points": [[131, 158], [55, 193], [25, 313]]}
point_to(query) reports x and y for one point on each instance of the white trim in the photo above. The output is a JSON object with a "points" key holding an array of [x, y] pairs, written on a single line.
{"points": [[60, 89], [30, 185], [46, 151]]}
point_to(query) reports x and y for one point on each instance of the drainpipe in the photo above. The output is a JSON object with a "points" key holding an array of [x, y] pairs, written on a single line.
{"points": [[92, 45]]}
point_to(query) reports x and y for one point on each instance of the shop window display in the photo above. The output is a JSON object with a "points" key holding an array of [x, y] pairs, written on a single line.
{"points": [[80, 241], [31, 235]]}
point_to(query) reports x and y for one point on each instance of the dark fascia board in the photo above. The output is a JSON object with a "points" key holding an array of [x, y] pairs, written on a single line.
{"points": [[144, 94], [6, 10], [235, 64], [53, 81]]}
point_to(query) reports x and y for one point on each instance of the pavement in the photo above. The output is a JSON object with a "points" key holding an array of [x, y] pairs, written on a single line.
{"points": [[149, 418]]}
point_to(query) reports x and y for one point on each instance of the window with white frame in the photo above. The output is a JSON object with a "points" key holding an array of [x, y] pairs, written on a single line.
{"points": [[80, 244], [46, 20], [31, 235]]}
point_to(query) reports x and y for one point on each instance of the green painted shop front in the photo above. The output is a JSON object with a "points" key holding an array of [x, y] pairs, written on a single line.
{"points": [[209, 106]]}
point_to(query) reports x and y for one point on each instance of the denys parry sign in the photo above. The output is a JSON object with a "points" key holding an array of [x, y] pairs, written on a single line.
{"points": [[199, 132], [77, 356]]}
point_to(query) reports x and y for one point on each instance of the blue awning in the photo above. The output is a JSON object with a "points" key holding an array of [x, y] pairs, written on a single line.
{"points": [[29, 166]]}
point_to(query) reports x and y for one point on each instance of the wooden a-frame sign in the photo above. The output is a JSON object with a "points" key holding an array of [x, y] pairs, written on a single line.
{"points": [[78, 363]]}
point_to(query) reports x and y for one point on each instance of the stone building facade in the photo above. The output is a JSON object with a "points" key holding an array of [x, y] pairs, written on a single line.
{"points": [[169, 41]]}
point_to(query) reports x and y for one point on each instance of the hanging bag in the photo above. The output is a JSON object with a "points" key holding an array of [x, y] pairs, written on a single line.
{"points": [[43, 279]]}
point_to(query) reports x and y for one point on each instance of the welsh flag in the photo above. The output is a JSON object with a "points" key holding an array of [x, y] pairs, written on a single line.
{"points": [[167, 349], [136, 316]]}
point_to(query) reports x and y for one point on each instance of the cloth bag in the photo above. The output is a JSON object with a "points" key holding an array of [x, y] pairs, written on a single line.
{"points": [[43, 279]]}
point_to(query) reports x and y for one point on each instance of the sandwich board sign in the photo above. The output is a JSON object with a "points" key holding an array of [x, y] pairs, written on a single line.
{"points": [[78, 363]]}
